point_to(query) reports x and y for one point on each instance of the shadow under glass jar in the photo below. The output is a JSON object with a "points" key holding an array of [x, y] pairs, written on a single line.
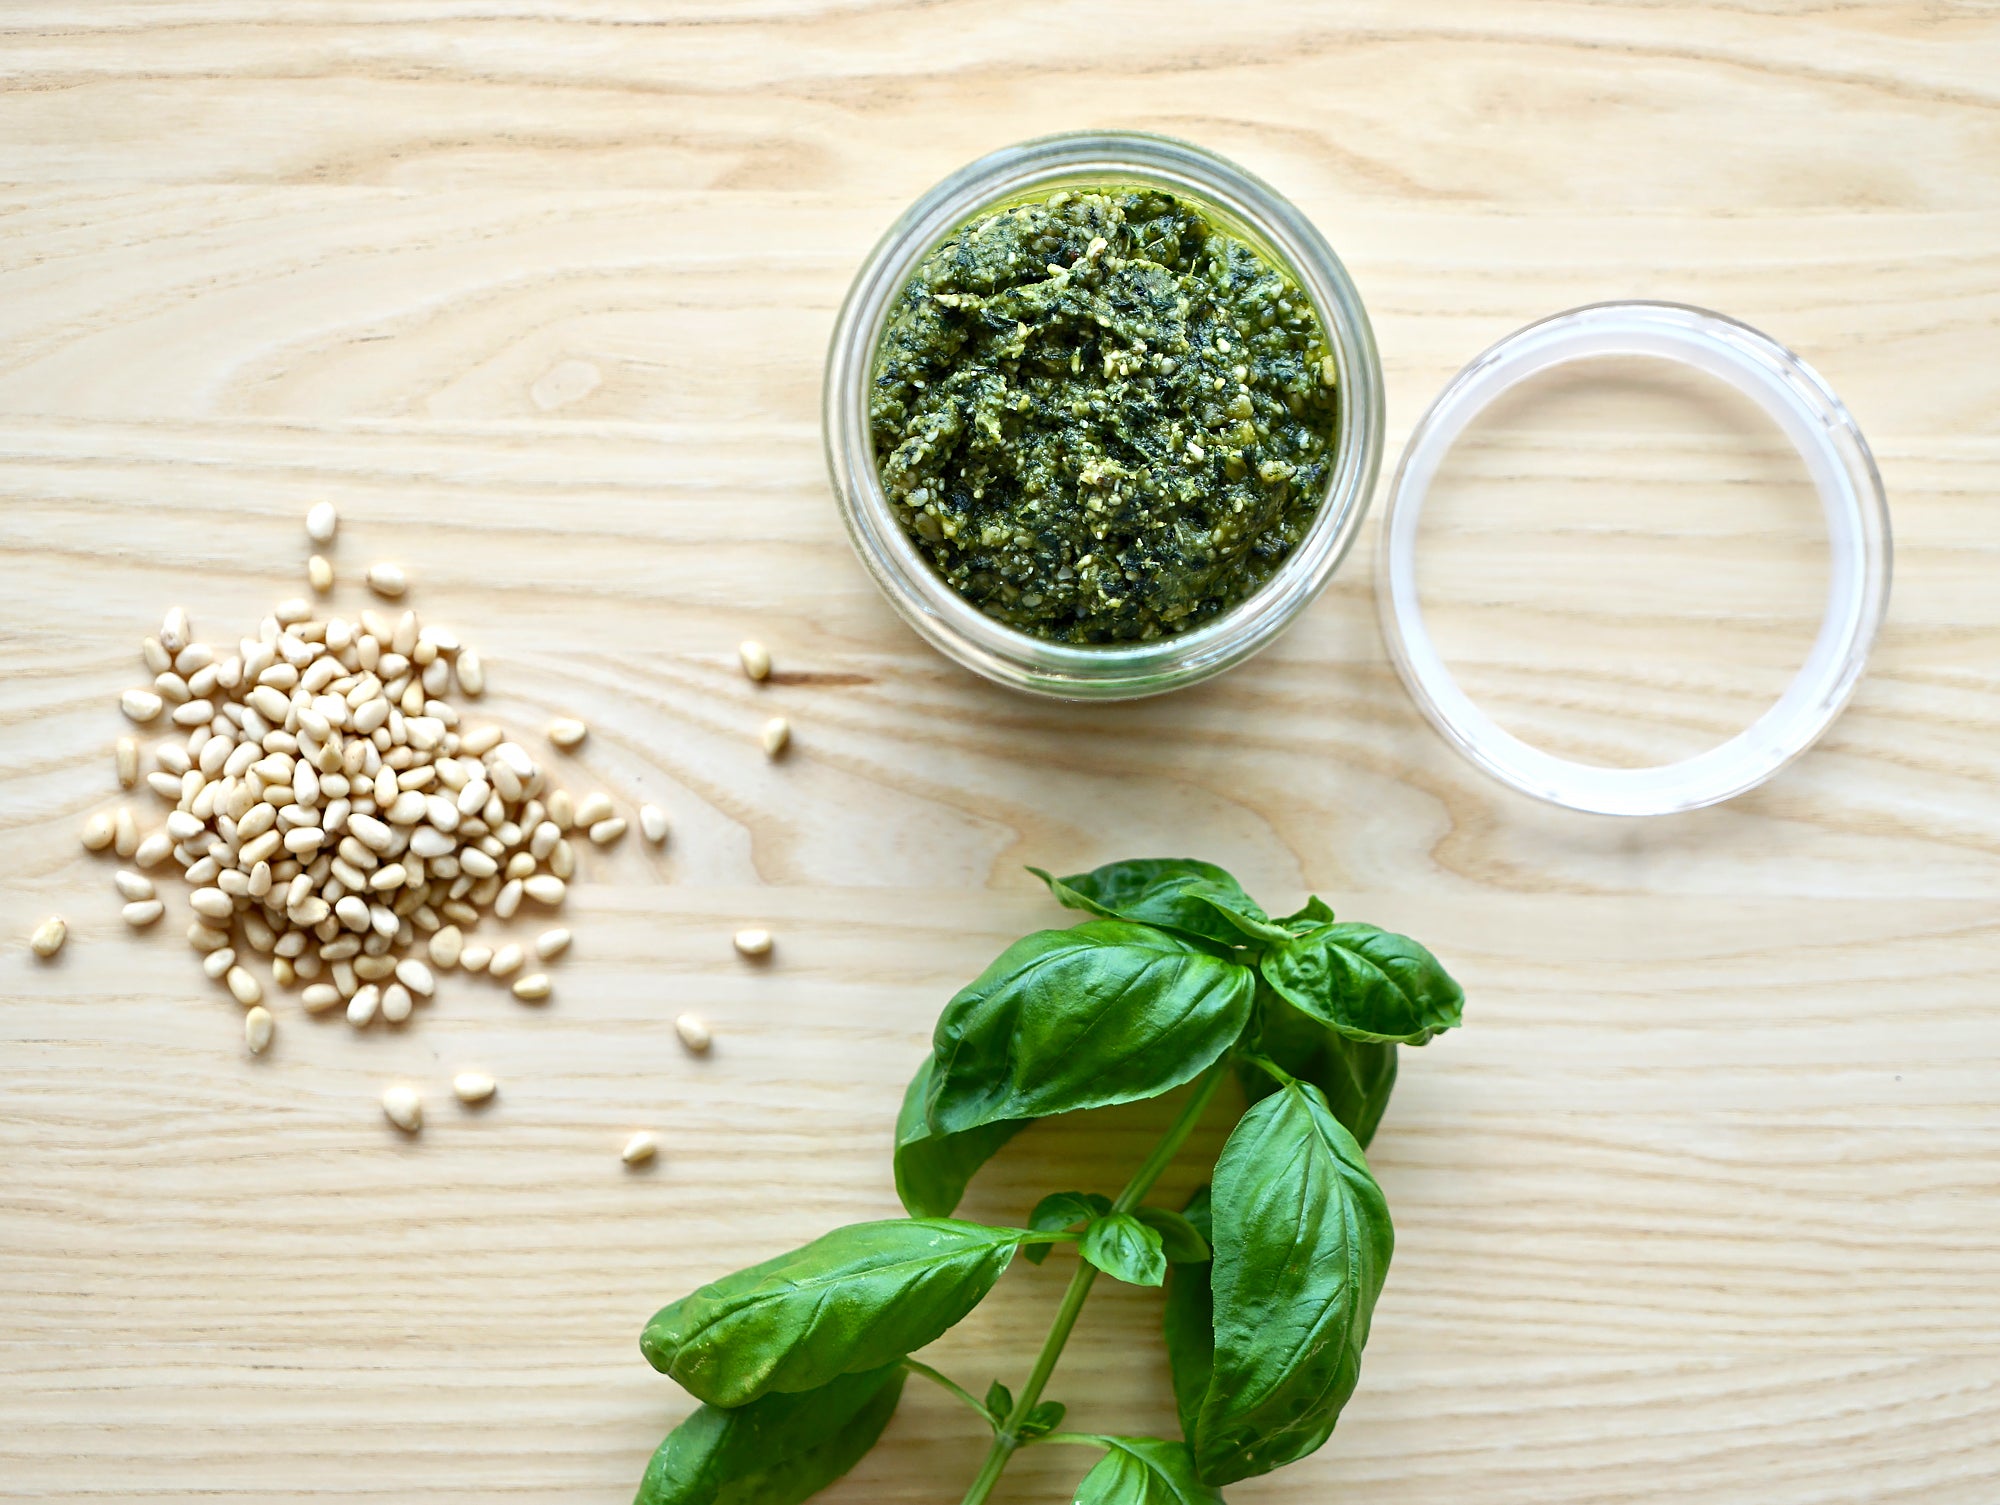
{"points": [[1240, 204]]}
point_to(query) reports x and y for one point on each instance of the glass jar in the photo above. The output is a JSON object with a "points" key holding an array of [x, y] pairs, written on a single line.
{"points": [[1241, 204]]}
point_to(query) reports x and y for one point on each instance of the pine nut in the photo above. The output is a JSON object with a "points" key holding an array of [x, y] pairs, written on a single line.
{"points": [[243, 986], [552, 943], [533, 988], [506, 960], [387, 580], [640, 1148], [153, 850], [544, 888], [49, 937], [508, 899], [653, 823], [217, 963], [694, 1033], [321, 521], [475, 958], [777, 736], [607, 831], [174, 630], [257, 1028], [473, 1086], [143, 912], [561, 811], [471, 673], [404, 1108], [756, 658], [362, 1007], [446, 945], [211, 904], [753, 942], [98, 831], [140, 705], [396, 1003], [319, 997], [415, 976], [566, 732], [319, 574], [132, 885], [591, 809], [128, 762]]}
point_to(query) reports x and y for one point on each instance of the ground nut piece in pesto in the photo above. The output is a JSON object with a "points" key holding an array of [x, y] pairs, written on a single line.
{"points": [[1102, 417]]}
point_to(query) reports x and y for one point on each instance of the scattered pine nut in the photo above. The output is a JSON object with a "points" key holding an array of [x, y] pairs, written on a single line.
{"points": [[552, 943], [396, 1003], [319, 574], [607, 831], [362, 1007], [777, 736], [319, 997], [257, 1027], [756, 658], [471, 673], [143, 912], [753, 942], [174, 630], [153, 850], [403, 1106], [566, 732], [640, 1148], [591, 809], [125, 831], [561, 811], [446, 946], [474, 958], [243, 986], [506, 961], [694, 1033], [653, 823], [321, 521], [544, 888], [217, 963], [127, 759], [388, 581], [533, 988], [473, 1086], [98, 831], [415, 976], [49, 937], [140, 705], [132, 885]]}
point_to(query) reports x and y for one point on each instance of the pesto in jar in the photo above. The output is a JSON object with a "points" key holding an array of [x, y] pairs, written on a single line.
{"points": [[1102, 416]]}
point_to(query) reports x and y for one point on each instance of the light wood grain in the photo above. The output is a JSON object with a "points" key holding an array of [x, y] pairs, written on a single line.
{"points": [[1702, 1204]]}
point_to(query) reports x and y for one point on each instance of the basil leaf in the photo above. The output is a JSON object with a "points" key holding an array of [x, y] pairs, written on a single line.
{"points": [[1356, 1076], [1315, 913], [1367, 983], [776, 1451], [1302, 1244], [1106, 1013], [1180, 1241], [932, 1169], [1190, 1322], [999, 1401], [1174, 893], [1060, 1210], [850, 1300], [1144, 1471], [1125, 1249], [1043, 1419]]}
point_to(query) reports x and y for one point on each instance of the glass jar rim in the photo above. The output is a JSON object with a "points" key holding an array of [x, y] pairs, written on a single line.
{"points": [[937, 612]]}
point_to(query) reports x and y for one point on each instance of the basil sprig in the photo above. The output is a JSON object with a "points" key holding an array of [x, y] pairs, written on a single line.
{"points": [[1179, 981]]}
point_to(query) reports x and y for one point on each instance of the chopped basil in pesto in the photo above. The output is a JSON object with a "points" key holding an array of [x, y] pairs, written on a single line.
{"points": [[1102, 417]]}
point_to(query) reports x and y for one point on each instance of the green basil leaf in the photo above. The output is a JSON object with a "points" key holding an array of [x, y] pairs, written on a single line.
{"points": [[851, 1300], [1302, 1244], [1356, 1076], [932, 1169], [1182, 1243], [1367, 983], [999, 1401], [1060, 1210], [776, 1451], [1043, 1419], [1190, 1322], [1125, 1249], [1144, 1471], [1316, 912], [1174, 893], [1106, 1013]]}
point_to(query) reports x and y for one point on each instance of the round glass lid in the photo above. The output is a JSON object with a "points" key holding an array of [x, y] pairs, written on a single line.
{"points": [[1837, 467]]}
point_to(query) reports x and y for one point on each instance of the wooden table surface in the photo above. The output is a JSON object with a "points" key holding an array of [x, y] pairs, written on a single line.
{"points": [[1702, 1204]]}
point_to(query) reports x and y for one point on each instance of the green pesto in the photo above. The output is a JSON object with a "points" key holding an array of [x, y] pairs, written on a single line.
{"points": [[1102, 417]]}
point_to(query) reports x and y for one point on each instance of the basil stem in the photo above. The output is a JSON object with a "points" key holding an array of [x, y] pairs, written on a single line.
{"points": [[916, 1366], [1006, 1437]]}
